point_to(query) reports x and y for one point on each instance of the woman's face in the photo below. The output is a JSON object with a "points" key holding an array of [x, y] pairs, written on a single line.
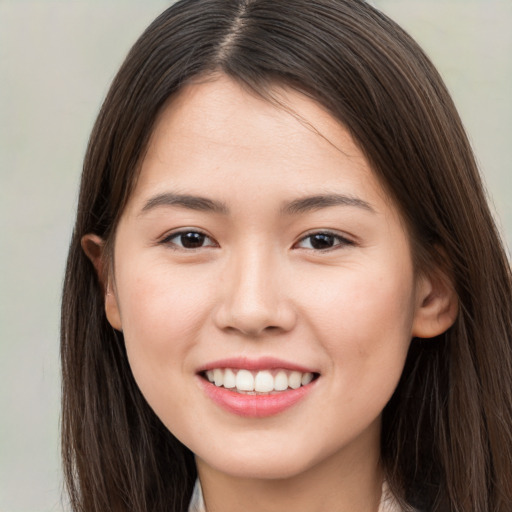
{"points": [[258, 249]]}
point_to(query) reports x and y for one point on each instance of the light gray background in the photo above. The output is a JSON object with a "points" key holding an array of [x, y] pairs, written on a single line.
{"points": [[57, 59]]}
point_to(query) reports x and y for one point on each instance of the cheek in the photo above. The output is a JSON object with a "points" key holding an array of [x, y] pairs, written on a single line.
{"points": [[352, 302], [162, 313], [363, 319]]}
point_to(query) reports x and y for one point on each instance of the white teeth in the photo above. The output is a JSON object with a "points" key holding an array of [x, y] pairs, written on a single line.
{"points": [[229, 379], [244, 381], [281, 381], [263, 381], [294, 380], [305, 380], [218, 377]]}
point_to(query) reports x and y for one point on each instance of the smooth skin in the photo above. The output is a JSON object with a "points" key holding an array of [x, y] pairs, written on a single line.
{"points": [[330, 286]]}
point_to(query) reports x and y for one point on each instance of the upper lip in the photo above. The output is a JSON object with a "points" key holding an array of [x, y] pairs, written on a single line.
{"points": [[255, 364]]}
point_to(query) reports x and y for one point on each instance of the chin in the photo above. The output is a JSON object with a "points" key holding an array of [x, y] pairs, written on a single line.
{"points": [[271, 463], [268, 469]]}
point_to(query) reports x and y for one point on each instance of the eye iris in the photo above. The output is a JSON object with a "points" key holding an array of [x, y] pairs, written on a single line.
{"points": [[192, 240], [322, 241]]}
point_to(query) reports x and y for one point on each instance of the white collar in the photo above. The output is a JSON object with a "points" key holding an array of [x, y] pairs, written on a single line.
{"points": [[197, 501]]}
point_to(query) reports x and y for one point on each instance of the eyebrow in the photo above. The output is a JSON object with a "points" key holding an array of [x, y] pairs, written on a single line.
{"points": [[312, 203], [295, 207], [187, 201]]}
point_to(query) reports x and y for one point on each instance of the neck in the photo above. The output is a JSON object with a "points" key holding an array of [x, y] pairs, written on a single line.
{"points": [[343, 482]]}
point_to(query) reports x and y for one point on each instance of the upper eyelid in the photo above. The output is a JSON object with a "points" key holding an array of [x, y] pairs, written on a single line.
{"points": [[180, 231], [337, 234]]}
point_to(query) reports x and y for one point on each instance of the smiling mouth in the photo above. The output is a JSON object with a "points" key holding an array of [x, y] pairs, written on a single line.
{"points": [[262, 382]]}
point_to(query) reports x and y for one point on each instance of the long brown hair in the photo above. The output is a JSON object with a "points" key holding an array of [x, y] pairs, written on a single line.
{"points": [[447, 431]]}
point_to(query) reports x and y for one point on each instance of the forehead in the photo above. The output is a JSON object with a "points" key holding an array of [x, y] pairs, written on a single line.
{"points": [[215, 135]]}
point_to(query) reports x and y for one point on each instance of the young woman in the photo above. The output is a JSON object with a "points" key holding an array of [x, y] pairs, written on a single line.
{"points": [[284, 290]]}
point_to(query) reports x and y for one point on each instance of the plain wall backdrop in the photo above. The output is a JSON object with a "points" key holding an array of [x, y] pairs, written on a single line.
{"points": [[57, 59]]}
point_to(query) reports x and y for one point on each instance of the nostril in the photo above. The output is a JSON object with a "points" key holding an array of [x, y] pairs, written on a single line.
{"points": [[253, 331]]}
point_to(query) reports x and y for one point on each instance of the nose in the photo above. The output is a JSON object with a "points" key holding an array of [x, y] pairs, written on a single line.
{"points": [[255, 299]]}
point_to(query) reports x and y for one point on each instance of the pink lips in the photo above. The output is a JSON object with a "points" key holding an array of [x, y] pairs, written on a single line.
{"points": [[262, 363], [254, 406]]}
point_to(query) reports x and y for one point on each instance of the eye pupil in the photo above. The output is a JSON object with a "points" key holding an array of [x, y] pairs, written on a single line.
{"points": [[322, 241], [192, 240]]}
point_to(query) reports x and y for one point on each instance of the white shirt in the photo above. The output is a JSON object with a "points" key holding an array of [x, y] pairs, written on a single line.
{"points": [[387, 503]]}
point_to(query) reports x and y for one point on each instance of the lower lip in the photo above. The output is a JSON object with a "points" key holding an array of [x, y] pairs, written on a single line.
{"points": [[254, 406]]}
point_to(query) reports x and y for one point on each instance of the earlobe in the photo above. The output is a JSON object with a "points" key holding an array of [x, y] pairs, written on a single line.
{"points": [[437, 306], [112, 309], [93, 246]]}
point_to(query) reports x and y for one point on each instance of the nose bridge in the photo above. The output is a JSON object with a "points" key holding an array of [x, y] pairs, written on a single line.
{"points": [[254, 298], [254, 277]]}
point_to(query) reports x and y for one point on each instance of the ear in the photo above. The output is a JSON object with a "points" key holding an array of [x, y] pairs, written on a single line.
{"points": [[94, 248], [436, 305]]}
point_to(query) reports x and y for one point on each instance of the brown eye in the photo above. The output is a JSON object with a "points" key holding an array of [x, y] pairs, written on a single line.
{"points": [[189, 240], [323, 241]]}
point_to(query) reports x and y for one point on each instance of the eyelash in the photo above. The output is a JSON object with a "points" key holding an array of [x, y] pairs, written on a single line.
{"points": [[168, 240], [341, 240]]}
